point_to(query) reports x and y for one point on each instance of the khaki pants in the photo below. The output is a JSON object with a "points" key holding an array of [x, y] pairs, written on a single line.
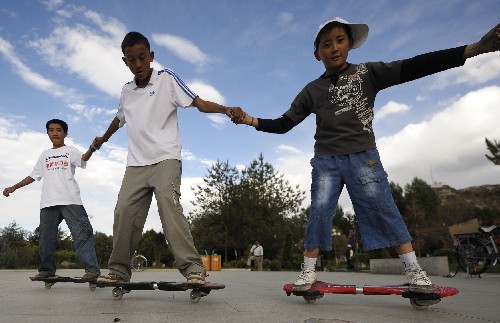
{"points": [[136, 193], [258, 259]]}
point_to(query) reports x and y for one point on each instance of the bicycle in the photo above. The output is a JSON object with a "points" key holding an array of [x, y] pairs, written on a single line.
{"points": [[476, 252], [138, 262]]}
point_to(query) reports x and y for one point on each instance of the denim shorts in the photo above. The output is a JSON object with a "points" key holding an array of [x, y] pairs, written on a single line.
{"points": [[379, 222]]}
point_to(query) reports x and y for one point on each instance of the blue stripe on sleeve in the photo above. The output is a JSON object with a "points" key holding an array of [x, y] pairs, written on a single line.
{"points": [[181, 84]]}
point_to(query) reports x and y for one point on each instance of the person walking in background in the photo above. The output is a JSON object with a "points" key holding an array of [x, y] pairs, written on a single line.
{"points": [[349, 253], [61, 200], [256, 253]]}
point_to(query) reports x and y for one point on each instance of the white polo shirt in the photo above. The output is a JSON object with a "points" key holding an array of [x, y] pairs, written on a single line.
{"points": [[151, 117]]}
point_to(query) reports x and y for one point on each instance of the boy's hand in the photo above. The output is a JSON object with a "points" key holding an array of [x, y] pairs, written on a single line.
{"points": [[488, 43], [8, 190], [491, 41], [97, 143], [236, 115]]}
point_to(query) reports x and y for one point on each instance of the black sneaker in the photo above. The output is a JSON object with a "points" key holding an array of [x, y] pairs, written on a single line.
{"points": [[196, 278], [111, 278], [43, 275], [91, 275]]}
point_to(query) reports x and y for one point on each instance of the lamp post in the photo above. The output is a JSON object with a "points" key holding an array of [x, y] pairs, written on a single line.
{"points": [[335, 233]]}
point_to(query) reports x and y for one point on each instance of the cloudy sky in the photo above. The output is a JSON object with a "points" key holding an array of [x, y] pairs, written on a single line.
{"points": [[62, 59]]}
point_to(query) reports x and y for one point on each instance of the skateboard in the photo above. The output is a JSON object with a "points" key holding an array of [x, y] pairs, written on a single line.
{"points": [[197, 291], [417, 300], [50, 281]]}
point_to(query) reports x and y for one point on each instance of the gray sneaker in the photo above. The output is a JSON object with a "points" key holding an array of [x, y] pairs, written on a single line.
{"points": [[43, 275], [91, 275], [196, 278], [111, 278], [419, 282], [305, 280]]}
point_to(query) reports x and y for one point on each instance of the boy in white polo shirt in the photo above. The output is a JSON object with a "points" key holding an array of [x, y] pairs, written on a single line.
{"points": [[148, 105], [61, 200]]}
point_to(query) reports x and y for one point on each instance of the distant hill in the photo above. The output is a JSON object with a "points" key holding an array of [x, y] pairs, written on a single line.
{"points": [[484, 196]]}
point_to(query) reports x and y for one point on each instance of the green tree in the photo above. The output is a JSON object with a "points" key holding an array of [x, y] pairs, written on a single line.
{"points": [[15, 251], [215, 218], [494, 148], [154, 247], [271, 200], [103, 246], [235, 208], [421, 204], [398, 196]]}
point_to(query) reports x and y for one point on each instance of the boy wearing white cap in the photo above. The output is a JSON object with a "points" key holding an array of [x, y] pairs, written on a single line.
{"points": [[345, 152]]}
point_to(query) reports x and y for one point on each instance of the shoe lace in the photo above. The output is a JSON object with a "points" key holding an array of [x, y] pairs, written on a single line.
{"points": [[304, 273], [419, 275]]}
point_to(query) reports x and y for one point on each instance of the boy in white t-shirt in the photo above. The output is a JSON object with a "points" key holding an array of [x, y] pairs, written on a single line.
{"points": [[61, 200], [148, 105]]}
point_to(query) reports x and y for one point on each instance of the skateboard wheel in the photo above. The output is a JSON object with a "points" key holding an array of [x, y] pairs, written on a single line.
{"points": [[420, 304], [310, 299], [194, 296], [92, 287], [48, 285], [117, 293]]}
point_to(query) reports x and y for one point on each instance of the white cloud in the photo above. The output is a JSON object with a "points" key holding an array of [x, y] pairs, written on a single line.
{"points": [[52, 4], [92, 57], [286, 148], [206, 92], [284, 18], [390, 108], [34, 79], [451, 144], [209, 93], [218, 120], [476, 70], [182, 48]]}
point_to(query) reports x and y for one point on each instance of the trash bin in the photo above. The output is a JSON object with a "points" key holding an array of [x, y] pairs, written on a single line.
{"points": [[206, 261], [215, 262]]}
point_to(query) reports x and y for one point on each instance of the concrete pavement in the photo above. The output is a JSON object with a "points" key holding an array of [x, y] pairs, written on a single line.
{"points": [[248, 297]]}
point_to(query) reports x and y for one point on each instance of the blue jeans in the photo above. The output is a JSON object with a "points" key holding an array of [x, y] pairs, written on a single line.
{"points": [[81, 231], [379, 221]]}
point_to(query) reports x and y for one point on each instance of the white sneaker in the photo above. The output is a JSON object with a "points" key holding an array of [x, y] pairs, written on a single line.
{"points": [[305, 280], [419, 282]]}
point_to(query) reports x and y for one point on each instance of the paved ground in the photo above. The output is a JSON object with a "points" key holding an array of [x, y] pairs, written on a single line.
{"points": [[248, 297]]}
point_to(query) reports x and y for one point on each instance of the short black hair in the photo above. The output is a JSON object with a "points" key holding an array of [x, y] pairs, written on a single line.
{"points": [[328, 27], [134, 38], [63, 124]]}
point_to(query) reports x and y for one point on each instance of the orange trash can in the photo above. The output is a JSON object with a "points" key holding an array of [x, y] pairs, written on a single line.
{"points": [[206, 261], [215, 262]]}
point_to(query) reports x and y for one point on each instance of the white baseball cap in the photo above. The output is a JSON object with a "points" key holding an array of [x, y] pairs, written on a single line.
{"points": [[359, 31]]}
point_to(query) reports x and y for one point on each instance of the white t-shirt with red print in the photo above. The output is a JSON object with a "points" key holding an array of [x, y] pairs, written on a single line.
{"points": [[57, 168]]}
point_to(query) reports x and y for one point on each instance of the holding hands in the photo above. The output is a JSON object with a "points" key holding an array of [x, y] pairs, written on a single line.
{"points": [[238, 116], [488, 43]]}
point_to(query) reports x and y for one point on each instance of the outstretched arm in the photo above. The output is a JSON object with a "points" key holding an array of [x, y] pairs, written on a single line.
{"points": [[488, 43], [211, 107], [8, 190], [113, 127], [89, 152], [280, 125]]}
